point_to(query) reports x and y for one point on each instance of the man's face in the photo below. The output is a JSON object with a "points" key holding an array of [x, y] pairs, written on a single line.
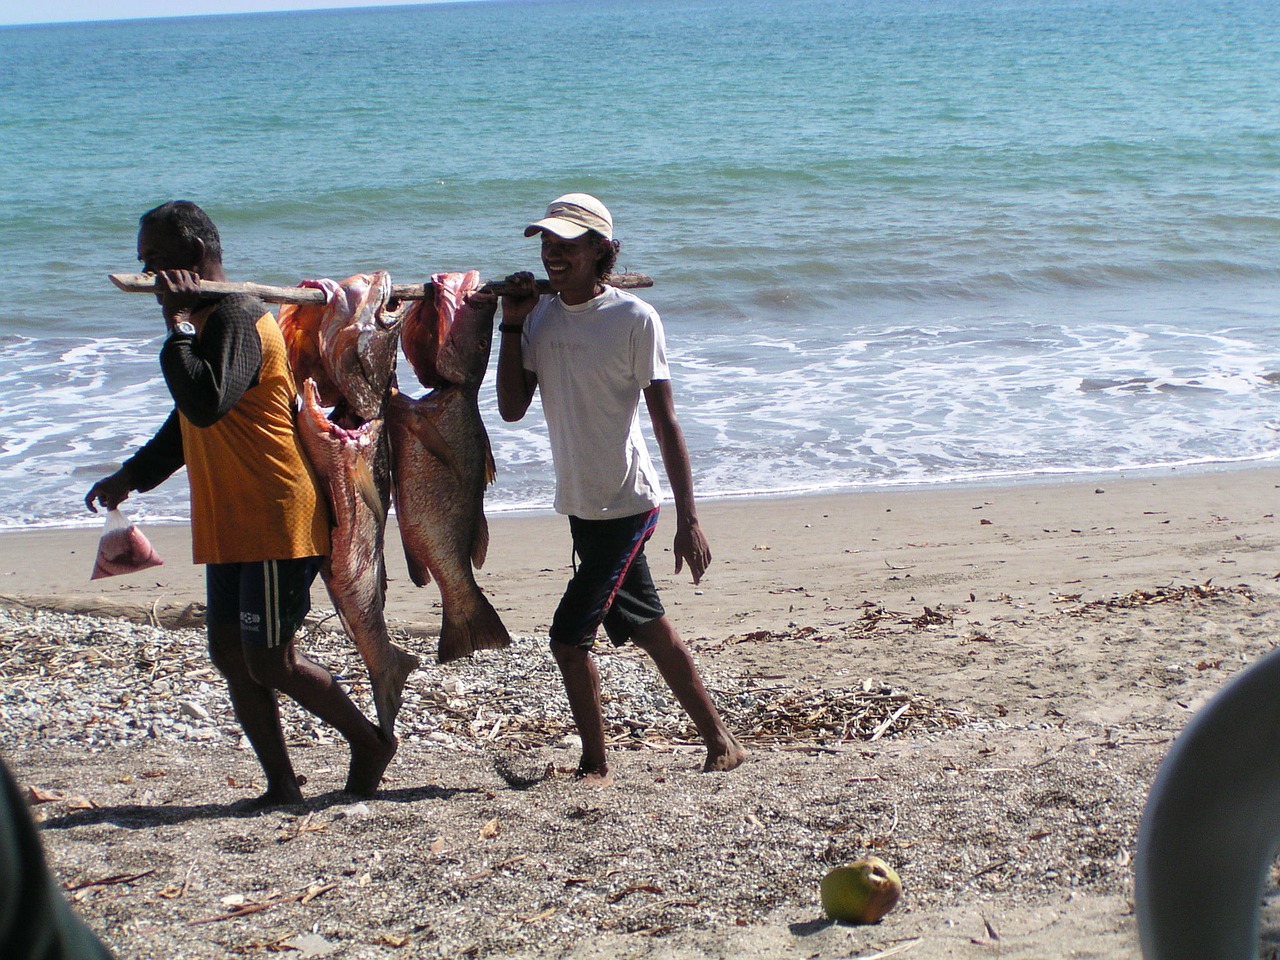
{"points": [[570, 264], [159, 249]]}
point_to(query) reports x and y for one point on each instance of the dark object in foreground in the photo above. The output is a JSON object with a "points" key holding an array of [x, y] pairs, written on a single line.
{"points": [[35, 921], [1209, 830]]}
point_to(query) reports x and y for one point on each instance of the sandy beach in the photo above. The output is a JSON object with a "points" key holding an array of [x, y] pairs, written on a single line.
{"points": [[1046, 641]]}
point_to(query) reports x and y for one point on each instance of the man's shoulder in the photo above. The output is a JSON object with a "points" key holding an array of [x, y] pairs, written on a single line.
{"points": [[240, 307], [619, 295], [625, 302]]}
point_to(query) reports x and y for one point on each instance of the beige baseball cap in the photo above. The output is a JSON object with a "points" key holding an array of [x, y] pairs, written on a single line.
{"points": [[573, 215]]}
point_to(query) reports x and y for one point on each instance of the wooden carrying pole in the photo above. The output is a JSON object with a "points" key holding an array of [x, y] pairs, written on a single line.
{"points": [[146, 283]]}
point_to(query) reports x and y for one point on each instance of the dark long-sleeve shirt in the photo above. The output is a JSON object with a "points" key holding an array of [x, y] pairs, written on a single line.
{"points": [[206, 375]]}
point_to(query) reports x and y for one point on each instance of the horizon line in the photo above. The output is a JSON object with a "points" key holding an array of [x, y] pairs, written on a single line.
{"points": [[268, 8]]}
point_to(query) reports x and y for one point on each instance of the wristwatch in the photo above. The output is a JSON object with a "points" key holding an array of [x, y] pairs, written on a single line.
{"points": [[183, 328]]}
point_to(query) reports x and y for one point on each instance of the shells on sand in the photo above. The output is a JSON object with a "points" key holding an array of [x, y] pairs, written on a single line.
{"points": [[102, 682]]}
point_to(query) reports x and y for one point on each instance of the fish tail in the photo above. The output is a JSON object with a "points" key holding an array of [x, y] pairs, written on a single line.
{"points": [[388, 688], [482, 629]]}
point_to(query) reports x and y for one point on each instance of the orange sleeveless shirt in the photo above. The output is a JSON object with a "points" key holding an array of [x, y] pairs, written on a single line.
{"points": [[254, 495]]}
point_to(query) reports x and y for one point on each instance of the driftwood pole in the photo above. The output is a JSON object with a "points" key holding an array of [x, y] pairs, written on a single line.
{"points": [[146, 283]]}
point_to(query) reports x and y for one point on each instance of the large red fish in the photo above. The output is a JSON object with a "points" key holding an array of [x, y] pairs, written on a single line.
{"points": [[442, 461], [357, 336], [437, 358], [355, 571]]}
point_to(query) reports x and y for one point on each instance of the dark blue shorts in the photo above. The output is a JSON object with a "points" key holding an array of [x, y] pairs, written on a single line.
{"points": [[611, 584], [266, 599]]}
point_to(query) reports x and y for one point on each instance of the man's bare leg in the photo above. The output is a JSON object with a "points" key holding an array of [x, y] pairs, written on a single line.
{"points": [[658, 638], [256, 708], [582, 687], [314, 688]]}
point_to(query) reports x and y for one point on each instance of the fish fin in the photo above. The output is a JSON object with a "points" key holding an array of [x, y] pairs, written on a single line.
{"points": [[418, 572], [367, 487], [482, 630], [490, 467], [480, 547], [436, 445]]}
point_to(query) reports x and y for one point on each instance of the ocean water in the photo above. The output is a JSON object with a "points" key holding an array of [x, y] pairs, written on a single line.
{"points": [[893, 241]]}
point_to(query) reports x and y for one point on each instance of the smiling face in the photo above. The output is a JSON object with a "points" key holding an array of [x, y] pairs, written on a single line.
{"points": [[571, 265]]}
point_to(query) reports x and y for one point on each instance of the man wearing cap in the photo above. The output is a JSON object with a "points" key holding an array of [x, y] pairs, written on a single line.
{"points": [[593, 350]]}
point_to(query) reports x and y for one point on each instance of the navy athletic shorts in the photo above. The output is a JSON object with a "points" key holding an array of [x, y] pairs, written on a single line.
{"points": [[267, 599], [611, 583]]}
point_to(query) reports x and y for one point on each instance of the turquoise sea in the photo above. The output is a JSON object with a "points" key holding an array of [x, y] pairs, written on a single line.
{"points": [[893, 241]]}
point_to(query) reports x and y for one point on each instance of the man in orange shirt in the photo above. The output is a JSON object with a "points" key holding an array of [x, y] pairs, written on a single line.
{"points": [[258, 516]]}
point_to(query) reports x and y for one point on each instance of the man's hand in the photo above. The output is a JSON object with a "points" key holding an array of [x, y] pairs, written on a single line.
{"points": [[110, 491], [517, 305], [178, 292], [691, 546]]}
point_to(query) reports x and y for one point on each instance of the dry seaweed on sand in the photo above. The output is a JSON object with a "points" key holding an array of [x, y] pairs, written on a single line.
{"points": [[1188, 593], [100, 683], [875, 618], [772, 716]]}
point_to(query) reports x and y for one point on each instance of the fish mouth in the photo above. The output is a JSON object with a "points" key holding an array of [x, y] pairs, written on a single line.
{"points": [[313, 411], [390, 314], [339, 432]]}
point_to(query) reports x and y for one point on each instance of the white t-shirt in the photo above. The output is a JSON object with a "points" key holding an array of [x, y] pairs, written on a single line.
{"points": [[593, 360]]}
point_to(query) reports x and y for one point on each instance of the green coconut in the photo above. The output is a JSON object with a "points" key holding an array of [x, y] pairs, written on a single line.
{"points": [[860, 892]]}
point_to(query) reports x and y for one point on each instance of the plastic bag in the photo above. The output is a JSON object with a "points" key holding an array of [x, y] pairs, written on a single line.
{"points": [[123, 548]]}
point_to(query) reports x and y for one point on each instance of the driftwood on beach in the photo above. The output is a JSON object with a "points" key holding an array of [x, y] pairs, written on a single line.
{"points": [[146, 283]]}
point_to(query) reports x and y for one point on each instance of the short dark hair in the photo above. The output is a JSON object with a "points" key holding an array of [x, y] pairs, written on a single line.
{"points": [[608, 258], [188, 223]]}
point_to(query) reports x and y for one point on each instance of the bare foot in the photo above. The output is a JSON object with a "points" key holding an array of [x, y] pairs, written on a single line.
{"points": [[368, 765], [595, 777], [728, 757]]}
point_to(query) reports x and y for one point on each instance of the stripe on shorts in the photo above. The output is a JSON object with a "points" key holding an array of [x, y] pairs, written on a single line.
{"points": [[271, 595], [650, 524]]}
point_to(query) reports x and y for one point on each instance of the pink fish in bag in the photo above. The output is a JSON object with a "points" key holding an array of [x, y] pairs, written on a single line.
{"points": [[123, 548]]}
